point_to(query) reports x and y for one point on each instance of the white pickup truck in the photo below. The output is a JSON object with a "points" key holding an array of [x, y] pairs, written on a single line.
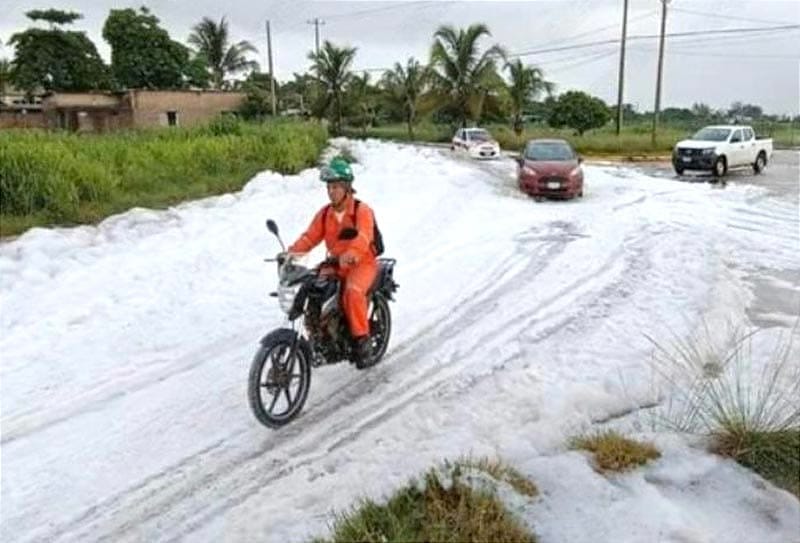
{"points": [[720, 148]]}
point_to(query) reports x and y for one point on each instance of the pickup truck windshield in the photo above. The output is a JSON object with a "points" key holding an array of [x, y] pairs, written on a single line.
{"points": [[712, 134], [548, 151]]}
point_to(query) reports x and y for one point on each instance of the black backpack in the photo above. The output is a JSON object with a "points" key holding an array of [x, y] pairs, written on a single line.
{"points": [[377, 237]]}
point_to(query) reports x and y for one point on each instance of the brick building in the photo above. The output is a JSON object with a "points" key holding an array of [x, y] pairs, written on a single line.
{"points": [[105, 111]]}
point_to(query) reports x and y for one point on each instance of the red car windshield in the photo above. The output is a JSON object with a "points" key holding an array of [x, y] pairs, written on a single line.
{"points": [[549, 152]]}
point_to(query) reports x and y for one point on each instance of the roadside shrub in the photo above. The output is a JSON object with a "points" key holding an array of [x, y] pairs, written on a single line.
{"points": [[225, 125], [747, 408]]}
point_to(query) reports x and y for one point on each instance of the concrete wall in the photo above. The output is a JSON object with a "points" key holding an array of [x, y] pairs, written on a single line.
{"points": [[17, 119], [102, 112], [81, 100], [184, 108], [92, 120]]}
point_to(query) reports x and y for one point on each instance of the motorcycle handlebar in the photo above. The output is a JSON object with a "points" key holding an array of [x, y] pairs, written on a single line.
{"points": [[282, 257]]}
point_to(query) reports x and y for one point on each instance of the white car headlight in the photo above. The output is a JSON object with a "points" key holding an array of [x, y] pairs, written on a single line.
{"points": [[709, 151], [286, 296]]}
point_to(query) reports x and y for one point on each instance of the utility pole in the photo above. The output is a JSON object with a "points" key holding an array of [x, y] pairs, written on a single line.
{"points": [[621, 84], [316, 22], [271, 73], [660, 69]]}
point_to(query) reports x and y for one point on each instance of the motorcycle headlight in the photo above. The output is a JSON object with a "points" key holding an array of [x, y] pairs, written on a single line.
{"points": [[286, 296]]}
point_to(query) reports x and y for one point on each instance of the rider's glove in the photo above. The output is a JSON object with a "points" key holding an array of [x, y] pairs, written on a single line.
{"points": [[348, 259]]}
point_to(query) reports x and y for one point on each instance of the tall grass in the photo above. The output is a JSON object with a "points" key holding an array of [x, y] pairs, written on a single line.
{"points": [[748, 408], [61, 178]]}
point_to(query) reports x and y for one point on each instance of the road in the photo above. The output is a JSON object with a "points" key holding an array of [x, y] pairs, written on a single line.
{"points": [[126, 347]]}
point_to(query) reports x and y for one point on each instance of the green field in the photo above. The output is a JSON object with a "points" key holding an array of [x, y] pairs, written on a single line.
{"points": [[635, 140], [64, 179]]}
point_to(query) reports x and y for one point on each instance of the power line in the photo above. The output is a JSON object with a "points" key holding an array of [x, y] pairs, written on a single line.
{"points": [[724, 55], [376, 10], [555, 64], [607, 27], [719, 41], [652, 36], [720, 16]]}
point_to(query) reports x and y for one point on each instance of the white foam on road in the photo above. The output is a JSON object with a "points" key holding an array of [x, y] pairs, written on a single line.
{"points": [[125, 350]]}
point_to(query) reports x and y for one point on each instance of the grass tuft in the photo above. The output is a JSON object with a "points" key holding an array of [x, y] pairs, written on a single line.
{"points": [[614, 452], [501, 471], [748, 408], [434, 512]]}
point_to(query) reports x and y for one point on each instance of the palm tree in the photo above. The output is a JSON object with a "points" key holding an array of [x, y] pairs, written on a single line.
{"points": [[363, 96], [527, 83], [5, 77], [462, 75], [212, 42], [332, 68], [405, 87]]}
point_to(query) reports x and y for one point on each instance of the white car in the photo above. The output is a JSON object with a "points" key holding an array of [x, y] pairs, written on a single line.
{"points": [[720, 148], [476, 142]]}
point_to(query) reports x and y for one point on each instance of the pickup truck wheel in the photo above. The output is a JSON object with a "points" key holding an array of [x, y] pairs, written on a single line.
{"points": [[678, 170], [760, 163], [720, 167]]}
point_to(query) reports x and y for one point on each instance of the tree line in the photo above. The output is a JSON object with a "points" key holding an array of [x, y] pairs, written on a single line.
{"points": [[464, 80], [143, 55]]}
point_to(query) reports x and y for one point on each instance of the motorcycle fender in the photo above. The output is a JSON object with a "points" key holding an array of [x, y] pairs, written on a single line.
{"points": [[267, 337]]}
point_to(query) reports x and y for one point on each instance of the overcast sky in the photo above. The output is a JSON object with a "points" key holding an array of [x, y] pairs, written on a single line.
{"points": [[756, 67]]}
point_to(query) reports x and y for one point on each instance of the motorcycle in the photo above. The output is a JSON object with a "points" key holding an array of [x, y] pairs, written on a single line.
{"points": [[280, 374]]}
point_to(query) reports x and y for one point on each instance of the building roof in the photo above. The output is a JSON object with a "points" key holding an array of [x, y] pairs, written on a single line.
{"points": [[83, 100]]}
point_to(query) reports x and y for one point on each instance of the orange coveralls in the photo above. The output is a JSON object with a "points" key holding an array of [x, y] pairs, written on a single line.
{"points": [[358, 277]]}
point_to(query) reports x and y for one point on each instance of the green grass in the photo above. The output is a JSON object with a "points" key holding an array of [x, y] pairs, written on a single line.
{"points": [[423, 132], [634, 141], [614, 452], [747, 408], [434, 511], [775, 455], [64, 179]]}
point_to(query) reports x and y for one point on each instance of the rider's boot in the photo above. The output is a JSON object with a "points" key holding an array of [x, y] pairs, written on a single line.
{"points": [[363, 351]]}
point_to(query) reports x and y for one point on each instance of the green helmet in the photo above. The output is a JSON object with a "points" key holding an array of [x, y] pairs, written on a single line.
{"points": [[337, 170]]}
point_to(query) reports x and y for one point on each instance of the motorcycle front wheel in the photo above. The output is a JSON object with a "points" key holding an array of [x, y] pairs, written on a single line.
{"points": [[280, 376]]}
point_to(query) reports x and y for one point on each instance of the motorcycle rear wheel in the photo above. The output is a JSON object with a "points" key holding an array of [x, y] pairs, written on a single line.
{"points": [[380, 328], [279, 379]]}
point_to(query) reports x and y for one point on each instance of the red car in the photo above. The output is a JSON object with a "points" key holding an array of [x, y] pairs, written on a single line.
{"points": [[550, 169]]}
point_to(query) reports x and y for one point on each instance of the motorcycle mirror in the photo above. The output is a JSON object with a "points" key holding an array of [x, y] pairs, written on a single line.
{"points": [[348, 233], [272, 227]]}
